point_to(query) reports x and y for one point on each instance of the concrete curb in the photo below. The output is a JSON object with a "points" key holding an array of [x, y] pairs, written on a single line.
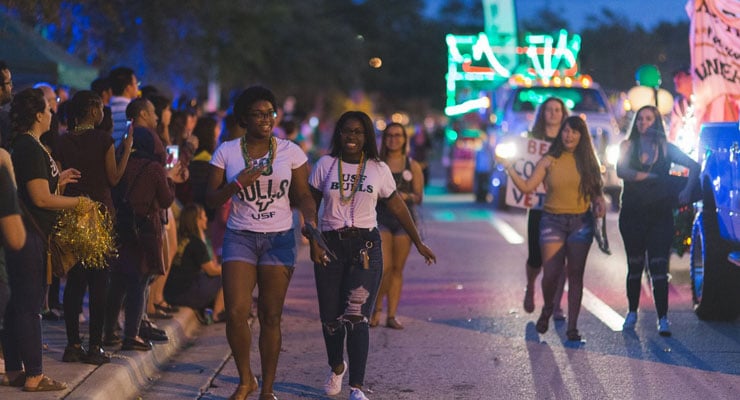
{"points": [[131, 371]]}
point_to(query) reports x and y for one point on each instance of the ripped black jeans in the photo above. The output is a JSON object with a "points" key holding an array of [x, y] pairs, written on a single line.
{"points": [[647, 233], [346, 292]]}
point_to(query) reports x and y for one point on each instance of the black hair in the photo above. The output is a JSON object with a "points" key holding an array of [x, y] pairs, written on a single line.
{"points": [[160, 103], [204, 130], [100, 85], [81, 105], [135, 107], [24, 107], [657, 128], [119, 78], [248, 97], [370, 148]]}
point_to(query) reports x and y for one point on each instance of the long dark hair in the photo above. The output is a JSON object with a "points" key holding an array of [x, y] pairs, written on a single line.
{"points": [[585, 155], [205, 131], [188, 226], [370, 148], [538, 128], [383, 148], [656, 130]]}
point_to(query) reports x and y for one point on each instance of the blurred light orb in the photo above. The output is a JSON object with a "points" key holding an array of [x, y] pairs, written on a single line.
{"points": [[506, 150], [640, 96], [375, 62]]}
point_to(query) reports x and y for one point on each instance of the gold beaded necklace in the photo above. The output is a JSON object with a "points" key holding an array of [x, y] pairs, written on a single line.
{"points": [[84, 127], [356, 184], [252, 163]]}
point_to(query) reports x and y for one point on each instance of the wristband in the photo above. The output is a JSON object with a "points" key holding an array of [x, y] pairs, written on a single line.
{"points": [[239, 184]]}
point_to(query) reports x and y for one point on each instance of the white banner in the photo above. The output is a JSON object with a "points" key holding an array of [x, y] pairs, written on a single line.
{"points": [[528, 153], [714, 40]]}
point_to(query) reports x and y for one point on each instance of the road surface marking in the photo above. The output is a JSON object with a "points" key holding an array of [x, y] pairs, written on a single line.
{"points": [[602, 311], [509, 233]]}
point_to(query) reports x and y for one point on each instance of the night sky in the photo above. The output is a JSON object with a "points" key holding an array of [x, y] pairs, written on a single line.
{"points": [[644, 12]]}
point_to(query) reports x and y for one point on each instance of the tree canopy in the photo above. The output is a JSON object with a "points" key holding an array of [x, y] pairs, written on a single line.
{"points": [[316, 48]]}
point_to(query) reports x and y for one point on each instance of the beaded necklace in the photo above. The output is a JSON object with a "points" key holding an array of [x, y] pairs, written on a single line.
{"points": [[356, 185], [83, 127], [40, 144], [255, 163]]}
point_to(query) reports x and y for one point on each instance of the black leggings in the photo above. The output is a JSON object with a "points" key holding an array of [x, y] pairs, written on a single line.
{"points": [[78, 280], [647, 233]]}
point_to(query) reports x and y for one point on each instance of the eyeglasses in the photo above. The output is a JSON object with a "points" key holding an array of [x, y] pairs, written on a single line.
{"points": [[398, 135], [262, 115], [8, 83], [347, 131]]}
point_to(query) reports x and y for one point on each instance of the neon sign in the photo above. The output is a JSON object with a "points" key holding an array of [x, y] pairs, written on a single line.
{"points": [[473, 63], [564, 53]]}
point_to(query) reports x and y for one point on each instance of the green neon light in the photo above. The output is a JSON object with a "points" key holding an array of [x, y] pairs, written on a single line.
{"points": [[473, 63], [565, 52]]}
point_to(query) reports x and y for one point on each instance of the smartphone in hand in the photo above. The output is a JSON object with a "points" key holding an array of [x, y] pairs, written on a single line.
{"points": [[128, 128], [173, 156]]}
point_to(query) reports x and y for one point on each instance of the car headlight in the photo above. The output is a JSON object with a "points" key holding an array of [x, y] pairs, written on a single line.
{"points": [[612, 154], [506, 150]]}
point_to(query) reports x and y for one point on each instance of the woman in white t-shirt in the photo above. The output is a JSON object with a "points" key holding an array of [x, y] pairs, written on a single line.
{"points": [[259, 173], [350, 181]]}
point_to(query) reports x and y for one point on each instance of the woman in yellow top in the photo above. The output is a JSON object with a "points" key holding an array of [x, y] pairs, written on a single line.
{"points": [[574, 196]]}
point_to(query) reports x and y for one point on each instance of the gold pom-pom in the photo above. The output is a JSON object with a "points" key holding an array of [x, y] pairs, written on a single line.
{"points": [[87, 232]]}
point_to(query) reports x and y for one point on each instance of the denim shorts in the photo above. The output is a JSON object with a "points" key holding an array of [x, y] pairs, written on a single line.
{"points": [[560, 228], [272, 248]]}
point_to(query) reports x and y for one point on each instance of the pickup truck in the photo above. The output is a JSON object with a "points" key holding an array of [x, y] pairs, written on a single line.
{"points": [[715, 239]]}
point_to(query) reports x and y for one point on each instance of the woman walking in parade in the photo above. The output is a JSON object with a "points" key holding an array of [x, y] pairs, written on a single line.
{"points": [[574, 196], [261, 174], [550, 117], [646, 217], [396, 243], [350, 181]]}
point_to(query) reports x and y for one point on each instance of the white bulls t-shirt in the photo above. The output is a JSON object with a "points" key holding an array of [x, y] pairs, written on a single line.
{"points": [[376, 182], [264, 206]]}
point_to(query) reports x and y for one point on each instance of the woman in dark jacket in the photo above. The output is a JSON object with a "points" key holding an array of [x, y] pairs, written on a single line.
{"points": [[646, 217], [147, 189]]}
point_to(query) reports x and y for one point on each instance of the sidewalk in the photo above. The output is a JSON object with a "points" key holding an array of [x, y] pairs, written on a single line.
{"points": [[126, 374]]}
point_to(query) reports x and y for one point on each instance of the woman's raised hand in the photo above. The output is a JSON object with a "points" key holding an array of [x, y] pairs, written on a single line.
{"points": [[69, 175]]}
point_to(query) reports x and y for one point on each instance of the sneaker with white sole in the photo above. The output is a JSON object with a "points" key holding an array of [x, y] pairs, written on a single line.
{"points": [[664, 328], [356, 394], [333, 384], [630, 320]]}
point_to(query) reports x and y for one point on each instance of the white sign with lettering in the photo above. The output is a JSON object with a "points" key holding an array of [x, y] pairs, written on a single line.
{"points": [[528, 153]]}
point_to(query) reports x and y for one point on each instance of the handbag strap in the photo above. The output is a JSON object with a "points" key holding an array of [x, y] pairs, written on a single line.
{"points": [[30, 217]]}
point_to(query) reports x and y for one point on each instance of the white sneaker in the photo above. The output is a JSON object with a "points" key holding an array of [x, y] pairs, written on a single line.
{"points": [[664, 327], [356, 394], [630, 320], [333, 384]]}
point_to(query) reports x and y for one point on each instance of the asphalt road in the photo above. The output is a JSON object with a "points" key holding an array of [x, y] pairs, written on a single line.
{"points": [[467, 336]]}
